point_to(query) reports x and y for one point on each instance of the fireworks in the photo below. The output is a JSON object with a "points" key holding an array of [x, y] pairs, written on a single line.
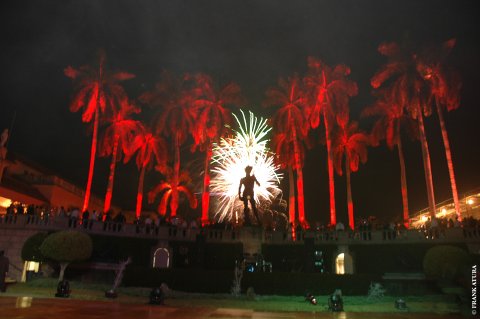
{"points": [[248, 146]]}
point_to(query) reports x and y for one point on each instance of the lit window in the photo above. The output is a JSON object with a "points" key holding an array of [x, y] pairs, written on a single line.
{"points": [[340, 264]]}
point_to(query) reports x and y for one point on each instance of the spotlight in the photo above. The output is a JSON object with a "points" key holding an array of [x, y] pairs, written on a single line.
{"points": [[63, 289], [111, 294], [400, 304], [250, 267], [156, 296], [311, 298], [335, 302]]}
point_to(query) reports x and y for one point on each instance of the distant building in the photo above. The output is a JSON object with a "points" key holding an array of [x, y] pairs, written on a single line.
{"points": [[469, 207], [26, 182]]}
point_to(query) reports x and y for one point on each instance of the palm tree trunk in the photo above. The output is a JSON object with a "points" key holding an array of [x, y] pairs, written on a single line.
{"points": [[403, 180], [448, 154], [176, 173], [427, 165], [138, 210], [93, 152], [206, 185], [111, 176], [331, 177], [298, 166], [291, 196], [351, 218]]}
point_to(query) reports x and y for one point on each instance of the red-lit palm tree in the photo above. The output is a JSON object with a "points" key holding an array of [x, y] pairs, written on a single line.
{"points": [[405, 87], [174, 98], [445, 85], [330, 91], [391, 117], [211, 118], [352, 144], [96, 91], [291, 129], [165, 190], [118, 135], [148, 147]]}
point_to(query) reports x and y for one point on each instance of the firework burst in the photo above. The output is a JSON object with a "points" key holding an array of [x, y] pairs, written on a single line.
{"points": [[247, 146]]}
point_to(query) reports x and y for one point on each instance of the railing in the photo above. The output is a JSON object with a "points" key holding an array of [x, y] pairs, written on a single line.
{"points": [[169, 232]]}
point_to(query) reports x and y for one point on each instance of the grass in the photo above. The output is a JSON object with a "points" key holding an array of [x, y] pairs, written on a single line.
{"points": [[46, 288]]}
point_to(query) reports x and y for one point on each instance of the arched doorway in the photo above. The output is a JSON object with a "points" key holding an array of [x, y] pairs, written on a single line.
{"points": [[161, 258], [340, 264], [343, 264]]}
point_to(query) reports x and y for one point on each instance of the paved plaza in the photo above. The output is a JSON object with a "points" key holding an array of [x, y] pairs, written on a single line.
{"points": [[37, 308]]}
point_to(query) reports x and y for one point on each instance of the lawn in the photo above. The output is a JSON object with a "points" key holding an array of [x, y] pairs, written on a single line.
{"points": [[46, 288]]}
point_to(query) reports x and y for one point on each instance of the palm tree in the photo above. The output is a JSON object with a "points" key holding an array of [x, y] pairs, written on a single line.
{"points": [[174, 121], [211, 120], [348, 141], [291, 128], [165, 190], [391, 118], [148, 147], [118, 134], [445, 85], [330, 91], [405, 87], [96, 91]]}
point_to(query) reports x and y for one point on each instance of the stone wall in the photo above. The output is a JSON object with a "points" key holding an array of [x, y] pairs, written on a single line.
{"points": [[11, 241]]}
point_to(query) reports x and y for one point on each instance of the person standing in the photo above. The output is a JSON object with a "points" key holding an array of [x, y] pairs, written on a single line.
{"points": [[4, 262]]}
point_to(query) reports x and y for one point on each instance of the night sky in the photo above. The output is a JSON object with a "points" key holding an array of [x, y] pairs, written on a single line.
{"points": [[251, 43]]}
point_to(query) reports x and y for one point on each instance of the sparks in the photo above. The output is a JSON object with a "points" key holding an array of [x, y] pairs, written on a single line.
{"points": [[231, 155]]}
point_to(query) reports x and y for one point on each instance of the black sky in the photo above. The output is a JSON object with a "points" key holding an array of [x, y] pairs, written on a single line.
{"points": [[250, 42]]}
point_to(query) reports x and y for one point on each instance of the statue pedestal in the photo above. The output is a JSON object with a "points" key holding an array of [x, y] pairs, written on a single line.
{"points": [[252, 238]]}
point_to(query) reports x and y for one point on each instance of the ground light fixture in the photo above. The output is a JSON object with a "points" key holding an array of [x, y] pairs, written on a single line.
{"points": [[335, 303], [63, 289], [311, 298], [156, 296], [400, 304]]}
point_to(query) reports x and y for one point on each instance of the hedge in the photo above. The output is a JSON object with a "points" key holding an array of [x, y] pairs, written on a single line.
{"points": [[112, 249], [277, 283], [380, 259]]}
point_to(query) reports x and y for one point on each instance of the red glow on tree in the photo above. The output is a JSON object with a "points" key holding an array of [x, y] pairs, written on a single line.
{"points": [[291, 129], [118, 135], [412, 85], [95, 91], [391, 117], [352, 144], [330, 92], [211, 119], [174, 98], [165, 190], [148, 148], [445, 85]]}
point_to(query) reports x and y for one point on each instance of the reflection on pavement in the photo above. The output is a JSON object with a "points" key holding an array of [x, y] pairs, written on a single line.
{"points": [[23, 302]]}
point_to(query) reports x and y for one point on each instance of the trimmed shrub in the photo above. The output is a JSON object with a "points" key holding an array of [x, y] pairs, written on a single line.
{"points": [[65, 247], [31, 248], [445, 262]]}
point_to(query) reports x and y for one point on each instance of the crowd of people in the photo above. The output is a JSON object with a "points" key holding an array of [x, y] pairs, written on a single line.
{"points": [[436, 227], [152, 223]]}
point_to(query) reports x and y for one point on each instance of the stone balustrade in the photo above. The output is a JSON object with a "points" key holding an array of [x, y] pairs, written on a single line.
{"points": [[211, 234]]}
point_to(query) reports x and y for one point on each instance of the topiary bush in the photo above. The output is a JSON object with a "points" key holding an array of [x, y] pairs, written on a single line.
{"points": [[65, 247], [445, 262], [31, 248]]}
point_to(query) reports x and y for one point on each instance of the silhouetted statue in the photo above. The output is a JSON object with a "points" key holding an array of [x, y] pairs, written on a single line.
{"points": [[248, 183]]}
